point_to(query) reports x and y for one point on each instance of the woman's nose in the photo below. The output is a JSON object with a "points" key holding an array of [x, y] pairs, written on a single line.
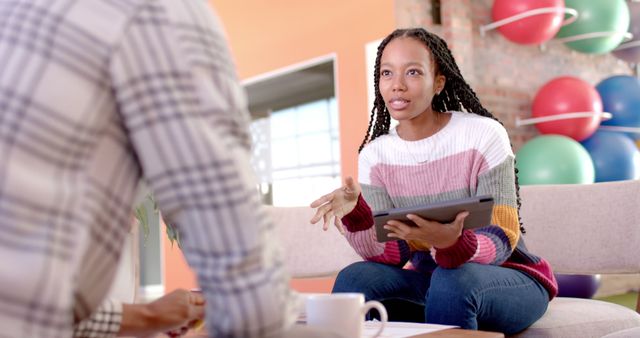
{"points": [[399, 84]]}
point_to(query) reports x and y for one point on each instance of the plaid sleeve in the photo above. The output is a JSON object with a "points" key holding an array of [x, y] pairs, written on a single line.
{"points": [[186, 116], [103, 323]]}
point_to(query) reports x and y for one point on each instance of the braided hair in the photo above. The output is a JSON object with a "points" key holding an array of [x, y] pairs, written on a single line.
{"points": [[456, 95]]}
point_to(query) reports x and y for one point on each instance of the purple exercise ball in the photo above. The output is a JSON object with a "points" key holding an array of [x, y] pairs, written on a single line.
{"points": [[577, 286], [631, 54]]}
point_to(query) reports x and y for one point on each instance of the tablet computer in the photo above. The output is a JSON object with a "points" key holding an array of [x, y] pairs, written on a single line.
{"points": [[480, 209]]}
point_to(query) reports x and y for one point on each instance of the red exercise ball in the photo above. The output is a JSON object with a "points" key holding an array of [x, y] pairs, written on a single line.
{"points": [[568, 94], [534, 29]]}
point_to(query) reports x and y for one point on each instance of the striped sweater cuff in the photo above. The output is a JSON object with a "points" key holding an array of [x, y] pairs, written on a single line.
{"points": [[457, 254], [360, 218]]}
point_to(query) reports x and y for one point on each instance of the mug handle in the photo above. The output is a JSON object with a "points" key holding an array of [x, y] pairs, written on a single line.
{"points": [[373, 304]]}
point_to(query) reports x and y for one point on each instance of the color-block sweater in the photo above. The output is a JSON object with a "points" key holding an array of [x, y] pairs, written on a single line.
{"points": [[470, 156]]}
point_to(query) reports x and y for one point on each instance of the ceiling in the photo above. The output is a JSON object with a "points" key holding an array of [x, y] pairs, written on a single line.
{"points": [[290, 89]]}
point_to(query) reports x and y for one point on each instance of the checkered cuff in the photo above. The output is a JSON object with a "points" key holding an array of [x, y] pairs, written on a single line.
{"points": [[103, 323]]}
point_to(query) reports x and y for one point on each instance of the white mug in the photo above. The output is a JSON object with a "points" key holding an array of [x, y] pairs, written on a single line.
{"points": [[342, 313]]}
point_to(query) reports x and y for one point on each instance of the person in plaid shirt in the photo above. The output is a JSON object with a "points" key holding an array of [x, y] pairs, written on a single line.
{"points": [[96, 95]]}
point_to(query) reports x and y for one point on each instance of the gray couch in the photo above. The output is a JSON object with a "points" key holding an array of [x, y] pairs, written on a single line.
{"points": [[580, 229]]}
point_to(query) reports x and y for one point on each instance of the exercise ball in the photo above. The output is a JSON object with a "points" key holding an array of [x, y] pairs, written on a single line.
{"points": [[614, 155], [596, 16], [621, 97], [534, 29], [554, 159], [631, 54], [568, 94], [577, 286]]}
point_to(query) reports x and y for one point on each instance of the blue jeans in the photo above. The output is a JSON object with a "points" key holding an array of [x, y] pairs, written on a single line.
{"points": [[472, 296]]}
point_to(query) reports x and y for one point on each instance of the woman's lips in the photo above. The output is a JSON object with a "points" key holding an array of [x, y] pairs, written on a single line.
{"points": [[398, 104]]}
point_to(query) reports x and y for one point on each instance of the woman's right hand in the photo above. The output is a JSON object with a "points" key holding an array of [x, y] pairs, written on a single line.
{"points": [[336, 204]]}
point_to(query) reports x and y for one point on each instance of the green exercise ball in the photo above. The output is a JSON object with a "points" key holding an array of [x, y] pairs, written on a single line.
{"points": [[597, 16], [554, 159]]}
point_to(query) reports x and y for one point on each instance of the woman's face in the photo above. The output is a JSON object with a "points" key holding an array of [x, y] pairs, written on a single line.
{"points": [[407, 80]]}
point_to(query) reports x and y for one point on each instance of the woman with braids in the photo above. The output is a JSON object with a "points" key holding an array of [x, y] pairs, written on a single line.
{"points": [[446, 146]]}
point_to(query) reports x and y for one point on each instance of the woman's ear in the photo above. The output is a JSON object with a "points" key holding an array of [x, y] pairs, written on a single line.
{"points": [[439, 83]]}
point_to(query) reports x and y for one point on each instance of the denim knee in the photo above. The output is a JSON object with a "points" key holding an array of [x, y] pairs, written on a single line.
{"points": [[476, 296], [456, 285], [382, 281], [355, 278], [460, 277], [451, 299]]}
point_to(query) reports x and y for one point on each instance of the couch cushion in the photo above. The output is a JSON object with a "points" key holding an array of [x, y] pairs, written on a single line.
{"points": [[310, 251], [581, 318], [598, 223], [628, 333]]}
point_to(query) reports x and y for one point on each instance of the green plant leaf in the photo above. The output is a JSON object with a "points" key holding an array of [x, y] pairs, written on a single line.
{"points": [[173, 234], [143, 219], [153, 202]]}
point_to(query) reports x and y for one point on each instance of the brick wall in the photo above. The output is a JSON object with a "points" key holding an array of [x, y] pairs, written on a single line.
{"points": [[505, 75]]}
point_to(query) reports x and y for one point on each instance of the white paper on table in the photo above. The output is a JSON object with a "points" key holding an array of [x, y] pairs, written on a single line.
{"points": [[401, 329]]}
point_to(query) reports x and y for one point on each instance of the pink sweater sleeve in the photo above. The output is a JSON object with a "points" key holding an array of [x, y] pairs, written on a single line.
{"points": [[361, 235]]}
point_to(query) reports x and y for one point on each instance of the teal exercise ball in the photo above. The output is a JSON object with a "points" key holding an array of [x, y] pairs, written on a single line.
{"points": [[554, 159], [597, 16]]}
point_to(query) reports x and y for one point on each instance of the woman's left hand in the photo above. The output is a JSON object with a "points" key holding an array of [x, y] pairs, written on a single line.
{"points": [[439, 235]]}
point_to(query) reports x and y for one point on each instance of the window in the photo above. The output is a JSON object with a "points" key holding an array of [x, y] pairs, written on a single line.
{"points": [[296, 144]]}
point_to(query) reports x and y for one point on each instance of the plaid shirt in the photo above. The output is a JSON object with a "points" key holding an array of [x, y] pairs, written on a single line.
{"points": [[103, 323], [96, 95]]}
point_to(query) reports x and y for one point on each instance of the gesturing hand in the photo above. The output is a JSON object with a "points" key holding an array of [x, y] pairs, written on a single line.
{"points": [[336, 204], [435, 233]]}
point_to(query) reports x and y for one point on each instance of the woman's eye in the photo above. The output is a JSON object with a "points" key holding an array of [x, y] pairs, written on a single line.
{"points": [[385, 73], [413, 72]]}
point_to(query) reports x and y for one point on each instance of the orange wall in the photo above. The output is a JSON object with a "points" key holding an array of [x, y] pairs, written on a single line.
{"points": [[177, 273], [267, 35]]}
